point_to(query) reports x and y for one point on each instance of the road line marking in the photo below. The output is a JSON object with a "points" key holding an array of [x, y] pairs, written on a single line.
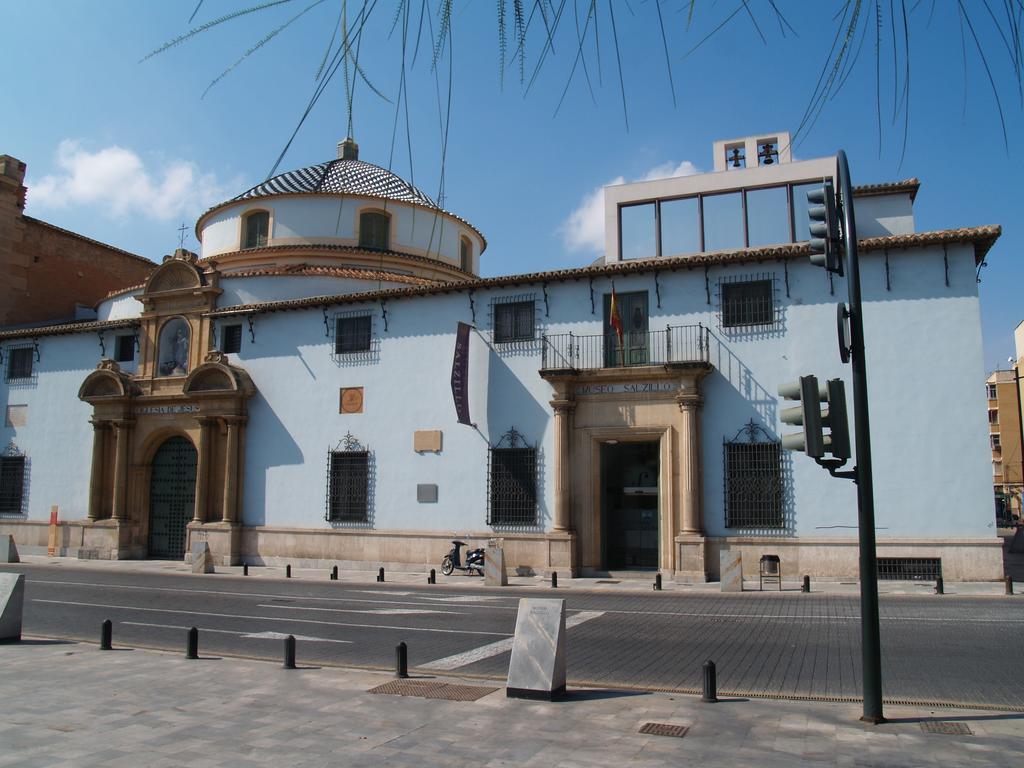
{"points": [[277, 618], [255, 636], [379, 611], [499, 647]]}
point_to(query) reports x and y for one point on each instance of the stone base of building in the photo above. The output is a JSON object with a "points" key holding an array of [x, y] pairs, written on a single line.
{"points": [[691, 559], [225, 540]]}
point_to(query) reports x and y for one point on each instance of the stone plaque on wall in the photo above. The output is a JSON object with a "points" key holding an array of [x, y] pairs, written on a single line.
{"points": [[424, 440], [17, 416], [351, 400]]}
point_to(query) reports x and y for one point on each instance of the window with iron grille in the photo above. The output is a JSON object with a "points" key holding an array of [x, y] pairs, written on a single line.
{"points": [[348, 483], [753, 480], [747, 302], [12, 484], [125, 351], [909, 568], [514, 321], [352, 334], [19, 362], [374, 230], [512, 482], [257, 228], [231, 338]]}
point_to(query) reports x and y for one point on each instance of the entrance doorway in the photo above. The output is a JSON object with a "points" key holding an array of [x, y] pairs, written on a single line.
{"points": [[629, 505], [172, 493]]}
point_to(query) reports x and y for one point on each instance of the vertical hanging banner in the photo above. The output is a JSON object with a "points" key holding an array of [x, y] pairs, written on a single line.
{"points": [[460, 374]]}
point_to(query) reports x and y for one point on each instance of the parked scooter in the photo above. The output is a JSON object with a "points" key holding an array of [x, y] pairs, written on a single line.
{"points": [[453, 560]]}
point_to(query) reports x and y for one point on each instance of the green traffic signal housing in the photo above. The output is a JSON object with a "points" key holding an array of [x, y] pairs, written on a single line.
{"points": [[824, 228], [809, 415]]}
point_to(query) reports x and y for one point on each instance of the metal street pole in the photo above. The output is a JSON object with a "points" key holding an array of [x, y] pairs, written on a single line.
{"points": [[1020, 435], [871, 652]]}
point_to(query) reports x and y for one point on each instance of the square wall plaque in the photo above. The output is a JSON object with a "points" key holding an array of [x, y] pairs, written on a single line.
{"points": [[17, 416], [426, 493], [426, 440], [350, 400]]}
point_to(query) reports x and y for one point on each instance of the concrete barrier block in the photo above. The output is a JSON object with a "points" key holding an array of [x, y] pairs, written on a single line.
{"points": [[12, 602]]}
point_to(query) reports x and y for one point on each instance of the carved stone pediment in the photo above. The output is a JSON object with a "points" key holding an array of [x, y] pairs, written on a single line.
{"points": [[217, 375], [174, 275], [108, 380]]}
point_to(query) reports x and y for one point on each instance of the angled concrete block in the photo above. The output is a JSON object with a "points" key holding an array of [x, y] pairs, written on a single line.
{"points": [[732, 571], [494, 567], [202, 560], [12, 601], [8, 550], [537, 668]]}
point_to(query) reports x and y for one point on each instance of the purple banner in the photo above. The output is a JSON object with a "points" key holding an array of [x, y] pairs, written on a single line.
{"points": [[460, 374]]}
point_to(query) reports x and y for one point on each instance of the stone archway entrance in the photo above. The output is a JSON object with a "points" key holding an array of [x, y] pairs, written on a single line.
{"points": [[172, 493]]}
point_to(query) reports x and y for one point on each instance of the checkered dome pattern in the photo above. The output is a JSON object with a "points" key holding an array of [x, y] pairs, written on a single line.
{"points": [[350, 177]]}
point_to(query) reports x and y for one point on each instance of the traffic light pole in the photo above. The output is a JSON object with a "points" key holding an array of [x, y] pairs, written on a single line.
{"points": [[871, 654]]}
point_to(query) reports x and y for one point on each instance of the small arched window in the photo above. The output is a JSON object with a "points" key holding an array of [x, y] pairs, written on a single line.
{"points": [[465, 254], [374, 230], [257, 228]]}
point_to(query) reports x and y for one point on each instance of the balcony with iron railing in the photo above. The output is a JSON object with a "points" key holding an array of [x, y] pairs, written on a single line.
{"points": [[675, 345]]}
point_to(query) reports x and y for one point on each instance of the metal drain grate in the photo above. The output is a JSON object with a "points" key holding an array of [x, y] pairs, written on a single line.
{"points": [[665, 729], [434, 689], [947, 727]]}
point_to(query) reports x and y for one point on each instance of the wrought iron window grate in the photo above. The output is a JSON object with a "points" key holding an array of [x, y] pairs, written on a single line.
{"points": [[512, 482], [753, 480], [19, 361], [514, 319], [348, 483], [909, 568], [747, 303], [352, 335], [12, 484], [231, 338]]}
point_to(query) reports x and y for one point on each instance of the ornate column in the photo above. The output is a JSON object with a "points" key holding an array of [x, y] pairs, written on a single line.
{"points": [[203, 468], [692, 522], [99, 433], [563, 468], [230, 471], [122, 430]]}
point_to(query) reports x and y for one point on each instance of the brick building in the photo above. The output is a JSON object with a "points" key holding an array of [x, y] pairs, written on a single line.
{"points": [[48, 273]]}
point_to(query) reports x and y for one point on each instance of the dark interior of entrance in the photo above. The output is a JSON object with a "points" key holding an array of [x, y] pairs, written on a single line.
{"points": [[629, 505]]}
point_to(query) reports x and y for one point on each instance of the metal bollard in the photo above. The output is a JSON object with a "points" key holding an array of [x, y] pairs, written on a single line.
{"points": [[334, 573], [288, 571], [657, 582], [710, 693], [401, 660], [938, 586], [245, 569], [1009, 585], [380, 574], [554, 579], [289, 652], [807, 585], [106, 632], [192, 649], [432, 578]]}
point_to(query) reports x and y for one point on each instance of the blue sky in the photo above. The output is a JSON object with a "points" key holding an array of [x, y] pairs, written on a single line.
{"points": [[124, 151]]}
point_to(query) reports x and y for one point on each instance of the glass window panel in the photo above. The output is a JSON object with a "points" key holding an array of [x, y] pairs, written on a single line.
{"points": [[767, 216], [723, 222], [636, 225], [801, 222], [680, 227]]}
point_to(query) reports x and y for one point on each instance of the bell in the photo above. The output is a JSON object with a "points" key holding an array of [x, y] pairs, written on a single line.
{"points": [[736, 158], [766, 153]]}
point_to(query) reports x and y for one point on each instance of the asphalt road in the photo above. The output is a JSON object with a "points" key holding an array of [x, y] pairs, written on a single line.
{"points": [[935, 649]]}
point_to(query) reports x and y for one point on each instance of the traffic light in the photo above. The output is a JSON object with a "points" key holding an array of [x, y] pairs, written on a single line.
{"points": [[809, 415], [824, 228]]}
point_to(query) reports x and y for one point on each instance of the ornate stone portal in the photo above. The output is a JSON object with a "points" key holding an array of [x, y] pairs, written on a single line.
{"points": [[183, 389], [611, 406]]}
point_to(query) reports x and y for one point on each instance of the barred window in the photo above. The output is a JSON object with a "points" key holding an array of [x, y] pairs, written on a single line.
{"points": [[19, 362], [747, 302], [753, 481], [231, 338], [125, 351], [374, 230], [512, 482], [513, 321], [348, 486], [352, 334], [257, 228], [12, 483]]}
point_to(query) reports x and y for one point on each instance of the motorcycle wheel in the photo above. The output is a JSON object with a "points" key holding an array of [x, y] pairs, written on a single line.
{"points": [[447, 566]]}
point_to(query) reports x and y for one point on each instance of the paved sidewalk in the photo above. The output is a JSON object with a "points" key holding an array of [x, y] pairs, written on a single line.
{"points": [[626, 583], [70, 704]]}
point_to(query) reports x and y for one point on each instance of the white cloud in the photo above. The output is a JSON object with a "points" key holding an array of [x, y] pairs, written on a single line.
{"points": [[117, 181], [583, 229]]}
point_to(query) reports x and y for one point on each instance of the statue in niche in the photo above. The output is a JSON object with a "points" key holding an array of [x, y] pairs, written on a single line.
{"points": [[173, 350]]}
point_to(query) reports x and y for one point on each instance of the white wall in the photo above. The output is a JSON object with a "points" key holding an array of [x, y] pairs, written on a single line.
{"points": [[121, 307], [251, 290]]}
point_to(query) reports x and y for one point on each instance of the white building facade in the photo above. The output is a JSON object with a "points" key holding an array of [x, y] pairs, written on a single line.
{"points": [[296, 392]]}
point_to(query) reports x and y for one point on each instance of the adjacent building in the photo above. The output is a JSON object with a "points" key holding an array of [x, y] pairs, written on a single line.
{"points": [[330, 381]]}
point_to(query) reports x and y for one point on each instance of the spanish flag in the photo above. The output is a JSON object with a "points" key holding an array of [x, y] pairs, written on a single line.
{"points": [[613, 317]]}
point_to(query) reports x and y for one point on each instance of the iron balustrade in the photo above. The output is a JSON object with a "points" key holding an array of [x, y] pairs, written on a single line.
{"points": [[675, 344]]}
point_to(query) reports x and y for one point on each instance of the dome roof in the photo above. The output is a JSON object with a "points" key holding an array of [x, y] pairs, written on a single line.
{"points": [[343, 176]]}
